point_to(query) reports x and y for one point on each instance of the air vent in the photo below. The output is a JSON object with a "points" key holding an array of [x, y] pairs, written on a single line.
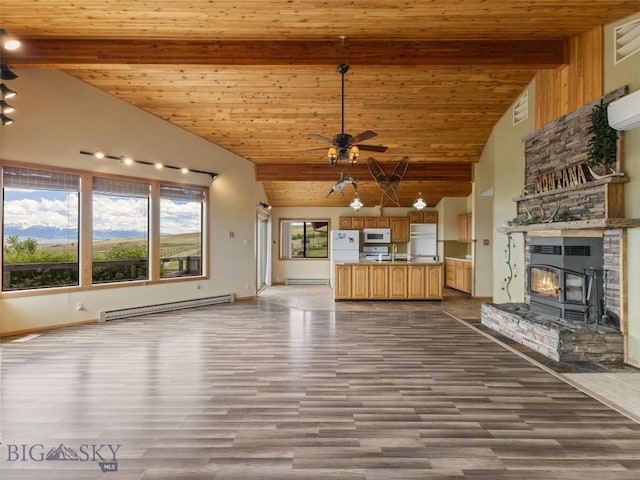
{"points": [[578, 250], [521, 108], [546, 249], [626, 40]]}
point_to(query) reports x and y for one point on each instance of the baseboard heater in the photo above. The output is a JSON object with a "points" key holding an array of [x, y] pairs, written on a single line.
{"points": [[307, 281], [165, 307]]}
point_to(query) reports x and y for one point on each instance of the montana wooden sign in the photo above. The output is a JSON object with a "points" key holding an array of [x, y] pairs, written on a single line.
{"points": [[566, 177]]}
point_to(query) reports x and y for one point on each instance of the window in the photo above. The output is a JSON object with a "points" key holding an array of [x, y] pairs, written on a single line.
{"points": [[131, 229], [304, 239], [181, 217], [120, 250], [40, 228]]}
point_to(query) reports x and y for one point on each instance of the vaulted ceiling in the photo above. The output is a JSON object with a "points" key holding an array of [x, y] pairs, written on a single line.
{"points": [[431, 78]]}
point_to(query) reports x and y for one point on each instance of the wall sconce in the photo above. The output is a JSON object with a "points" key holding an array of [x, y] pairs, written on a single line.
{"points": [[419, 204], [130, 161], [356, 204]]}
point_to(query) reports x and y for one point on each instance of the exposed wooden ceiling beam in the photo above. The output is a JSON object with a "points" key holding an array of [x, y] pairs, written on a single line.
{"points": [[513, 53], [424, 171]]}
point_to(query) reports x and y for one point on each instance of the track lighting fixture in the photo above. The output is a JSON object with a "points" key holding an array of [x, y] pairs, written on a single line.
{"points": [[6, 92], [130, 161], [6, 73], [7, 41], [6, 108], [5, 120]]}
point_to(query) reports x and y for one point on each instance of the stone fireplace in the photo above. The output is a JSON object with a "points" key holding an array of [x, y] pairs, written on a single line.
{"points": [[573, 223]]}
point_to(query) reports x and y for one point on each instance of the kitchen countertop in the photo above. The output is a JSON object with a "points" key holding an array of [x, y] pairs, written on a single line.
{"points": [[459, 259]]}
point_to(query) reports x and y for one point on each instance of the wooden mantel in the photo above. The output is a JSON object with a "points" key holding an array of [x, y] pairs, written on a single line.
{"points": [[594, 224]]}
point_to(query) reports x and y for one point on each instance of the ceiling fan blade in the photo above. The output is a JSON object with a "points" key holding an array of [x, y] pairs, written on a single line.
{"points": [[320, 137], [366, 135], [314, 149], [373, 148]]}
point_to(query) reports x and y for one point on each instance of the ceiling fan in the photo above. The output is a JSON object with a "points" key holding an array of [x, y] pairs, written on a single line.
{"points": [[345, 146]]}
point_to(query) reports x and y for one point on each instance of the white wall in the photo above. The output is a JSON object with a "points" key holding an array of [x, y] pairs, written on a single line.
{"points": [[627, 72], [56, 117], [501, 166]]}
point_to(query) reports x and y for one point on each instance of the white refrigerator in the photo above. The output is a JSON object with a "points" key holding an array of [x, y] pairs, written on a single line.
{"points": [[345, 247]]}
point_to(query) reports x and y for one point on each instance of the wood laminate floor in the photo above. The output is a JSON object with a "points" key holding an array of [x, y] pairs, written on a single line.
{"points": [[289, 386]]}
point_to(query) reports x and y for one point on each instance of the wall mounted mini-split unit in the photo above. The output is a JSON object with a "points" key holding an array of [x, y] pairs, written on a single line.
{"points": [[624, 113]]}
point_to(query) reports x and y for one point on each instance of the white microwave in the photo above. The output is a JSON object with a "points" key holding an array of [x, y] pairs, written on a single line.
{"points": [[377, 235]]}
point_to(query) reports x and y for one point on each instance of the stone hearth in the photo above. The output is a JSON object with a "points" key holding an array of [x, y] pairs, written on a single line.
{"points": [[558, 339]]}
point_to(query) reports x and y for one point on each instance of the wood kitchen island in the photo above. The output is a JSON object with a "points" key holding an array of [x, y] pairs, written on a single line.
{"points": [[394, 280]]}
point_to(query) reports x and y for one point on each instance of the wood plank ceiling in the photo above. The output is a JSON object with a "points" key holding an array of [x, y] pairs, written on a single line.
{"points": [[431, 78]]}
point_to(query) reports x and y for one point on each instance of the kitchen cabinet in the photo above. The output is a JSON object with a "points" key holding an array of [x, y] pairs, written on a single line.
{"points": [[357, 223], [424, 281], [376, 222], [397, 281], [378, 281], [450, 269], [345, 223], [467, 279], [423, 217], [388, 281], [416, 281], [459, 274], [351, 223], [360, 281], [399, 229], [433, 281], [464, 228], [342, 282]]}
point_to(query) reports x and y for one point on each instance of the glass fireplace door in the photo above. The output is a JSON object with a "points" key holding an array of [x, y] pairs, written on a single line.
{"points": [[544, 281], [574, 287]]}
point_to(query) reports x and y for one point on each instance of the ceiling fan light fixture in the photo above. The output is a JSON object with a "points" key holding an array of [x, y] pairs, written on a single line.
{"points": [[356, 204], [419, 204], [332, 155], [354, 153]]}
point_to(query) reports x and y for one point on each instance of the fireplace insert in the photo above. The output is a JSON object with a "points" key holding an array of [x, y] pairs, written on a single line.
{"points": [[565, 277], [563, 293]]}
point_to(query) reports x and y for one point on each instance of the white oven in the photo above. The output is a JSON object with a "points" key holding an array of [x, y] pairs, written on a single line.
{"points": [[377, 235]]}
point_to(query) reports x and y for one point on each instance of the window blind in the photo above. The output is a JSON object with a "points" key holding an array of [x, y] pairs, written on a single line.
{"points": [[181, 193], [18, 177], [111, 186]]}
